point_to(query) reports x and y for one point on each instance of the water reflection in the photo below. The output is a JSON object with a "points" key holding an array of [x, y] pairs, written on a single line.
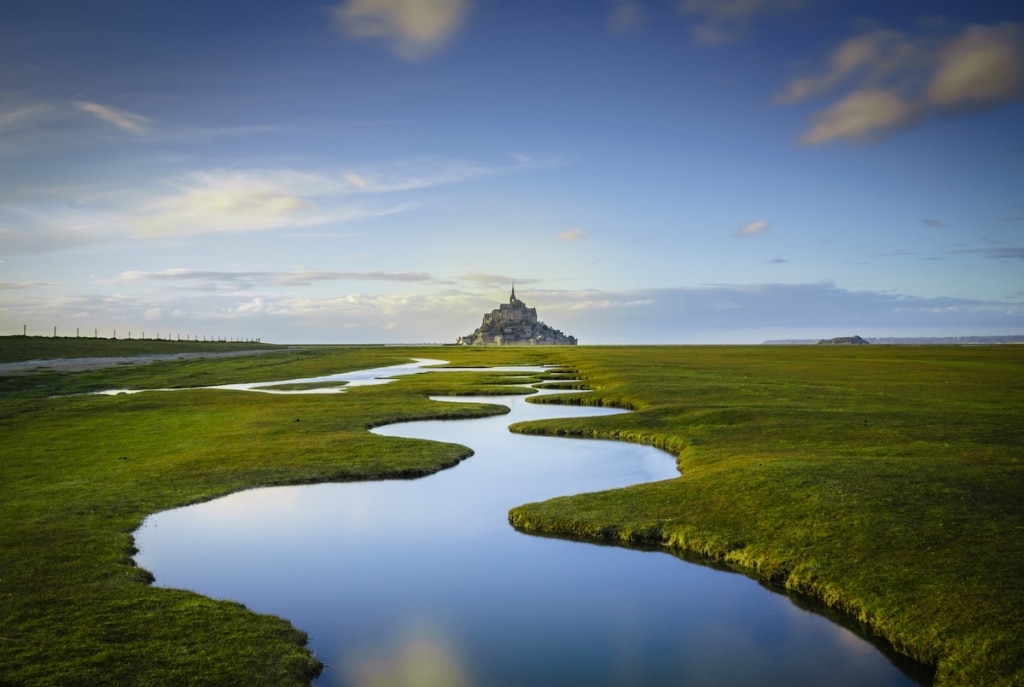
{"points": [[324, 384], [423, 582]]}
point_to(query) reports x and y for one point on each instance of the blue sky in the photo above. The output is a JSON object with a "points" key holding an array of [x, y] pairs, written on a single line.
{"points": [[648, 171]]}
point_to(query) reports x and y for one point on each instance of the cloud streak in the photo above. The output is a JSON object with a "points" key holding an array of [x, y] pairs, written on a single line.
{"points": [[717, 22], [894, 80], [236, 201], [751, 228], [712, 313], [122, 119], [229, 280]]}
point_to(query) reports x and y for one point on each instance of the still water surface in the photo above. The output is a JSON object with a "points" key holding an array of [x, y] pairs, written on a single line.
{"points": [[423, 582]]}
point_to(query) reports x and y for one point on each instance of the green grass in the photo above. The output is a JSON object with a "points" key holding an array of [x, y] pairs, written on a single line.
{"points": [[19, 348], [79, 473], [886, 482]]}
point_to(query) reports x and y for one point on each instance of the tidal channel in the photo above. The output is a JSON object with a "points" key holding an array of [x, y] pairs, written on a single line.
{"points": [[423, 582]]}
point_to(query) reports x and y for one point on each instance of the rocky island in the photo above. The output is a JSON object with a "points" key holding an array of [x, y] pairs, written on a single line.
{"points": [[514, 324]]}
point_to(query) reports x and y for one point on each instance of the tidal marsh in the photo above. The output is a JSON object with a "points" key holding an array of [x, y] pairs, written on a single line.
{"points": [[884, 481]]}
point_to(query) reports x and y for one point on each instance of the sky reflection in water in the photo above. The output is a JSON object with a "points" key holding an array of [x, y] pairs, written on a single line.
{"points": [[424, 582]]}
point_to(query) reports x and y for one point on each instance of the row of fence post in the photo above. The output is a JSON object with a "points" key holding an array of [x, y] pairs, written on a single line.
{"points": [[158, 337]]}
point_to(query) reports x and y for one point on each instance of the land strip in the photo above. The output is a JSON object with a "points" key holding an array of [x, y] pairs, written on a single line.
{"points": [[884, 481], [78, 473]]}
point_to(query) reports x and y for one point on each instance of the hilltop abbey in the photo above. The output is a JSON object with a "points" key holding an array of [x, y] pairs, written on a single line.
{"points": [[513, 324]]}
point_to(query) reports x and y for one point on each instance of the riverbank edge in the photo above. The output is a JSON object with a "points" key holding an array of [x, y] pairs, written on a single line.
{"points": [[555, 518], [710, 550]]}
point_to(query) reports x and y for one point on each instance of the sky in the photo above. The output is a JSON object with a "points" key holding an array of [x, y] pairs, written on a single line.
{"points": [[383, 171]]}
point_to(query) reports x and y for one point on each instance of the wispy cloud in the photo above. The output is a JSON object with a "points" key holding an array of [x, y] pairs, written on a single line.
{"points": [[122, 119], [862, 115], [1005, 252], [357, 181], [21, 285], [232, 201], [415, 29], [571, 235], [259, 199], [16, 116], [934, 223], [495, 280], [233, 280], [415, 173], [725, 21], [751, 228], [893, 80], [28, 124], [626, 16]]}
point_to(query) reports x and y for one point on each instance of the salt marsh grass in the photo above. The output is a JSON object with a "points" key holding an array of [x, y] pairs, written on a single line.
{"points": [[884, 481]]}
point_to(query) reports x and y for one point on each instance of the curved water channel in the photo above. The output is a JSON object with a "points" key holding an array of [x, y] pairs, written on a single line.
{"points": [[423, 582]]}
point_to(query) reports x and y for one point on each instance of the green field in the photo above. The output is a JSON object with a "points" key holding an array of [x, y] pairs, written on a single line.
{"points": [[886, 482]]}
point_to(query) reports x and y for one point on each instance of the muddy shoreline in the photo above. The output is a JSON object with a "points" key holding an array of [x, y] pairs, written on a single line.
{"points": [[83, 364]]}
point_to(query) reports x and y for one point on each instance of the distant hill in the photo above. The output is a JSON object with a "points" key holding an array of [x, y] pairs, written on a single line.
{"points": [[919, 340]]}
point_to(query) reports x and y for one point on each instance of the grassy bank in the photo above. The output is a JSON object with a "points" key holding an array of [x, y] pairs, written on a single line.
{"points": [[79, 473], [885, 481], [18, 348]]}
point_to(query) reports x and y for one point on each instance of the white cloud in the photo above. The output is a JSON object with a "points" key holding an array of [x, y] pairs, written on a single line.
{"points": [[122, 119], [259, 199], [894, 80], [572, 235], [982, 66], [416, 29], [722, 313], [224, 208], [751, 228], [862, 115], [231, 201], [874, 55]]}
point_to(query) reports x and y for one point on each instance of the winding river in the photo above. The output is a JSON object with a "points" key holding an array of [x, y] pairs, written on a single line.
{"points": [[423, 582]]}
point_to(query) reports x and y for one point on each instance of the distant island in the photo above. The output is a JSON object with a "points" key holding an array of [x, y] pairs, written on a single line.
{"points": [[514, 324], [918, 340], [844, 340]]}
